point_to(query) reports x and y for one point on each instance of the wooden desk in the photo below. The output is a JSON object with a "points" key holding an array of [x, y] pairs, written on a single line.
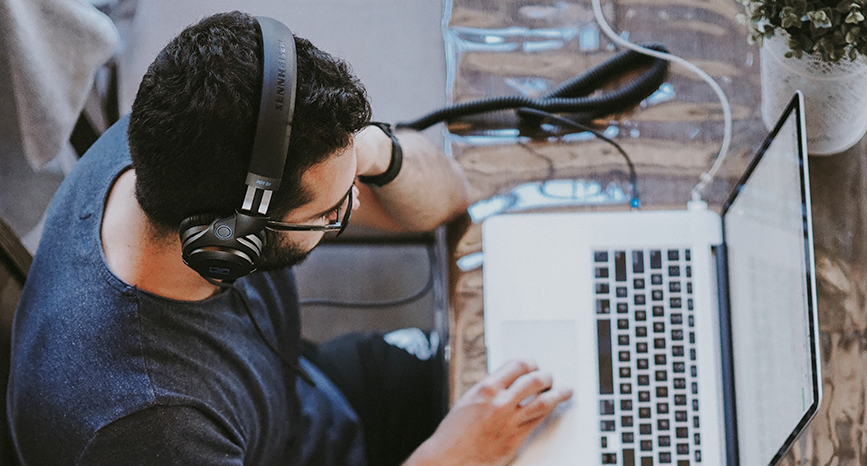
{"points": [[671, 141]]}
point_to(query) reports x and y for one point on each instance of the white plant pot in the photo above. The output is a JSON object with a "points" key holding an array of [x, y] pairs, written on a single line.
{"points": [[835, 95]]}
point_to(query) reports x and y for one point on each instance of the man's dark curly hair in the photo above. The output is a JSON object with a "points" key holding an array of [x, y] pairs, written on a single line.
{"points": [[194, 118]]}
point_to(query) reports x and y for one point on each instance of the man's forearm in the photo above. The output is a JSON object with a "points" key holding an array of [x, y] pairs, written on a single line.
{"points": [[430, 189]]}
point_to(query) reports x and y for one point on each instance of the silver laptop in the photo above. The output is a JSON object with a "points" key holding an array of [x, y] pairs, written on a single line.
{"points": [[688, 337]]}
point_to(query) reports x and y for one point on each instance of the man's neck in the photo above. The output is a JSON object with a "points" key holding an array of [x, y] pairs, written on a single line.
{"points": [[140, 256]]}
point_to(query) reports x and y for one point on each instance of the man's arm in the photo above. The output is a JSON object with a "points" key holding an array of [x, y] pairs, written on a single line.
{"points": [[488, 425], [430, 189]]}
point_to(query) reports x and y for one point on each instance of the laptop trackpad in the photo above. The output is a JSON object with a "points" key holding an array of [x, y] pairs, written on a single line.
{"points": [[556, 347]]}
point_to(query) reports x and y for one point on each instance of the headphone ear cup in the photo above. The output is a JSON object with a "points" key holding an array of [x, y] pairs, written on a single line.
{"points": [[223, 249], [196, 222]]}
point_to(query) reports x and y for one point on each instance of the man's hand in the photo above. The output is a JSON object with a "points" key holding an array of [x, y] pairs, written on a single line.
{"points": [[488, 425]]}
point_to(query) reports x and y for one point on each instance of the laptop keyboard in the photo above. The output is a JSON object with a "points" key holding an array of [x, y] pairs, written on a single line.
{"points": [[648, 382]]}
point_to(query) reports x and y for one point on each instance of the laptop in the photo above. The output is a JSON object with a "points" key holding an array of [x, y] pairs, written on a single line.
{"points": [[688, 337]]}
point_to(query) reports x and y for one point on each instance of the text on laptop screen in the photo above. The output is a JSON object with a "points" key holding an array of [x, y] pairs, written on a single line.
{"points": [[765, 233]]}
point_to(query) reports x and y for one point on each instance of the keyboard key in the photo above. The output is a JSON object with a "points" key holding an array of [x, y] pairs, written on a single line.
{"points": [[637, 261], [623, 356], [675, 303], [626, 405], [659, 343], [620, 291], [677, 350], [609, 458], [659, 327], [692, 337], [641, 315], [695, 405], [673, 254], [606, 368], [608, 425], [656, 295], [695, 422], [692, 354], [622, 308], [641, 347], [661, 376], [627, 437], [643, 380], [687, 255], [606, 407], [620, 266], [604, 442], [623, 340], [662, 424], [674, 287], [678, 367], [645, 429], [688, 271], [689, 304], [680, 416], [600, 256], [641, 331], [691, 320], [602, 288], [677, 334], [601, 272], [689, 287], [642, 363], [655, 259], [673, 270], [656, 279], [698, 456], [680, 400], [696, 439], [603, 306], [626, 421], [658, 311], [644, 396], [646, 445], [625, 372], [625, 388], [659, 359], [665, 457], [661, 408], [640, 300], [644, 412], [628, 457], [681, 432], [662, 391], [622, 324], [693, 371], [682, 462], [647, 461], [638, 283], [694, 388], [677, 318], [680, 383], [664, 441]]}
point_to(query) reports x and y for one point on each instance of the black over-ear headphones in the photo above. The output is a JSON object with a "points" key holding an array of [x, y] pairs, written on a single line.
{"points": [[226, 249]]}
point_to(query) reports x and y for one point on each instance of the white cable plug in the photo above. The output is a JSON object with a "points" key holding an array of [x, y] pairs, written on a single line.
{"points": [[707, 176]]}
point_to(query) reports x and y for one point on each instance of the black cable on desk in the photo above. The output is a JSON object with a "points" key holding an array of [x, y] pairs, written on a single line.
{"points": [[572, 96]]}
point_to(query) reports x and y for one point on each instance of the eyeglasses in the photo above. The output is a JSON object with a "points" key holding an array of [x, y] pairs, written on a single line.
{"points": [[338, 224]]}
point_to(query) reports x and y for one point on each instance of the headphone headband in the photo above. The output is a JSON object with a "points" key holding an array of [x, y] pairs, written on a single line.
{"points": [[227, 249]]}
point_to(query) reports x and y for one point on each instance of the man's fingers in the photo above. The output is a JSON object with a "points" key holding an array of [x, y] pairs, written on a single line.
{"points": [[542, 405], [506, 375], [529, 385]]}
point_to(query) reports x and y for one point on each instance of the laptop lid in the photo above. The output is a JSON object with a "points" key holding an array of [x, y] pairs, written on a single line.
{"points": [[775, 373]]}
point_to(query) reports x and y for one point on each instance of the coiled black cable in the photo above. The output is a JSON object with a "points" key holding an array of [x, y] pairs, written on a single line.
{"points": [[573, 96]]}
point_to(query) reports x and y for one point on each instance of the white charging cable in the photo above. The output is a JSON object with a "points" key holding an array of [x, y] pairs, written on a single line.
{"points": [[707, 176]]}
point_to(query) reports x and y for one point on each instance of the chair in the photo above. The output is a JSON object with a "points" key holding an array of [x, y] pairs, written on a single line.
{"points": [[14, 265]]}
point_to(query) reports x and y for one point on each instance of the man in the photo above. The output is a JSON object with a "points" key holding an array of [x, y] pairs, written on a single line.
{"points": [[125, 355]]}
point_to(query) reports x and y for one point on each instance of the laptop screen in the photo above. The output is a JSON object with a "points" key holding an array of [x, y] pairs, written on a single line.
{"points": [[768, 237]]}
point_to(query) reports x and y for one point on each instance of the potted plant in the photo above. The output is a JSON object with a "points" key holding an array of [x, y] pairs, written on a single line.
{"points": [[819, 47]]}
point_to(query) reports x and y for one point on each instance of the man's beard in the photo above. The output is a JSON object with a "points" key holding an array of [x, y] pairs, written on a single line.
{"points": [[280, 253]]}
